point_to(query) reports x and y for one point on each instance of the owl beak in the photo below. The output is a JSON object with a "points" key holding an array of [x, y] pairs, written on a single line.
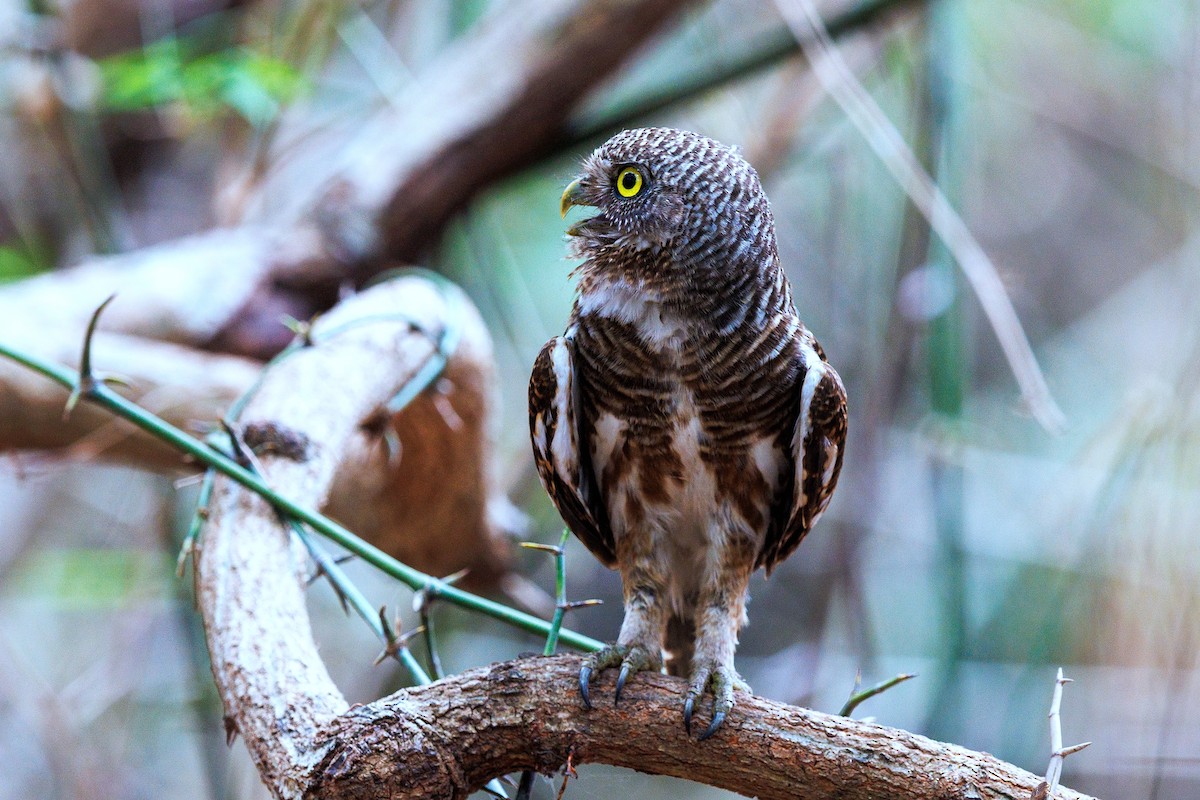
{"points": [[572, 196]]}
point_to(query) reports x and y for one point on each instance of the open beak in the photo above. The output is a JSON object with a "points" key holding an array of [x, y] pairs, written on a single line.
{"points": [[572, 196]]}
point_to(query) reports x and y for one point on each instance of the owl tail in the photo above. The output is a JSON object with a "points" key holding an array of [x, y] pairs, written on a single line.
{"points": [[680, 642]]}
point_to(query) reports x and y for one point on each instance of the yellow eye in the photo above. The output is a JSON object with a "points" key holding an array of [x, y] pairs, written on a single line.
{"points": [[629, 182]]}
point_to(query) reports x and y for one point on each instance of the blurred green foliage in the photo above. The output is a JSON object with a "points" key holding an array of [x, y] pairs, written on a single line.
{"points": [[21, 261], [170, 71], [93, 577]]}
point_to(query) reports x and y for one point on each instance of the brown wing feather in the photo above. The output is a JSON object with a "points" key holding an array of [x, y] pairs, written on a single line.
{"points": [[815, 464], [563, 464]]}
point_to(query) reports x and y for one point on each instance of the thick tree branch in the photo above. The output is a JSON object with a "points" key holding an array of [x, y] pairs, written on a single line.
{"points": [[446, 739], [451, 737]]}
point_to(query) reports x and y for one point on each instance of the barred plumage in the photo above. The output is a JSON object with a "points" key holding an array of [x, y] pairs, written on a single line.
{"points": [[686, 425]]}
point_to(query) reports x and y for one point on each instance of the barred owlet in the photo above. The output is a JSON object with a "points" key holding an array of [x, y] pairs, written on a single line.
{"points": [[686, 424]]}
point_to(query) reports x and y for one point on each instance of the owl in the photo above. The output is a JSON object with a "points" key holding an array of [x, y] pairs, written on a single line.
{"points": [[686, 425]]}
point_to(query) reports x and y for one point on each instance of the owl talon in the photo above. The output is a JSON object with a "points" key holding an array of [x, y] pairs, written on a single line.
{"points": [[718, 679], [621, 682], [632, 658], [585, 675], [717, 720]]}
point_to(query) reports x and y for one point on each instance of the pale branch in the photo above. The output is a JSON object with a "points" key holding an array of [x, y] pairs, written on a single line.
{"points": [[1048, 788], [493, 102]]}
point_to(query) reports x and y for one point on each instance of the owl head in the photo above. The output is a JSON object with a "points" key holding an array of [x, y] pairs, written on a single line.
{"points": [[658, 188]]}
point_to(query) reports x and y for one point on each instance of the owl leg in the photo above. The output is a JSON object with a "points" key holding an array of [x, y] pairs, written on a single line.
{"points": [[720, 613], [639, 645]]}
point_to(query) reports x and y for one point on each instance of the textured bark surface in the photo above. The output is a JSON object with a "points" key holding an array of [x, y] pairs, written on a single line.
{"points": [[446, 739]]}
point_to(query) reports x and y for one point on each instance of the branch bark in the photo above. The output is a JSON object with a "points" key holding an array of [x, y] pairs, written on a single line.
{"points": [[451, 737]]}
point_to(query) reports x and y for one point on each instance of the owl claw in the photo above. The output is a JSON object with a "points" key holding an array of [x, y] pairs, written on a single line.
{"points": [[585, 675], [621, 682], [717, 719], [719, 679], [632, 658]]}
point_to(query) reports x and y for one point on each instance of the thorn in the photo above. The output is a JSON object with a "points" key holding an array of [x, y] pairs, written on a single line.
{"points": [[343, 601], [389, 636], [857, 697], [543, 548], [394, 447], [231, 731], [87, 379], [301, 330], [185, 551], [236, 445], [424, 596], [114, 379], [453, 421], [1073, 749], [574, 604], [395, 642], [314, 576], [455, 577], [717, 720], [187, 480]]}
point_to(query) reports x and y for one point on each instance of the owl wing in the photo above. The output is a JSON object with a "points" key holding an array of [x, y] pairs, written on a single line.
{"points": [[818, 440], [563, 459]]}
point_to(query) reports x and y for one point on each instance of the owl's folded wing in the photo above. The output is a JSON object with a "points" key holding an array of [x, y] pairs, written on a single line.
{"points": [[817, 446], [562, 458]]}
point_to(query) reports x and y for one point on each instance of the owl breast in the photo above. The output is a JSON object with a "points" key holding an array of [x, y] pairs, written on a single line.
{"points": [[674, 476]]}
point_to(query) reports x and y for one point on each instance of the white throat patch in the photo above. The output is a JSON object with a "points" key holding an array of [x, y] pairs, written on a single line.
{"points": [[634, 305]]}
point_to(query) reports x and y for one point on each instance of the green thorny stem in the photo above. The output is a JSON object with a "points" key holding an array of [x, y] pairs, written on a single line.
{"points": [[98, 392], [856, 696], [560, 589], [561, 607]]}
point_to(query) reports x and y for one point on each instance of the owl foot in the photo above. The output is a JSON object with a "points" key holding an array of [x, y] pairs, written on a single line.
{"points": [[632, 658], [721, 680]]}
